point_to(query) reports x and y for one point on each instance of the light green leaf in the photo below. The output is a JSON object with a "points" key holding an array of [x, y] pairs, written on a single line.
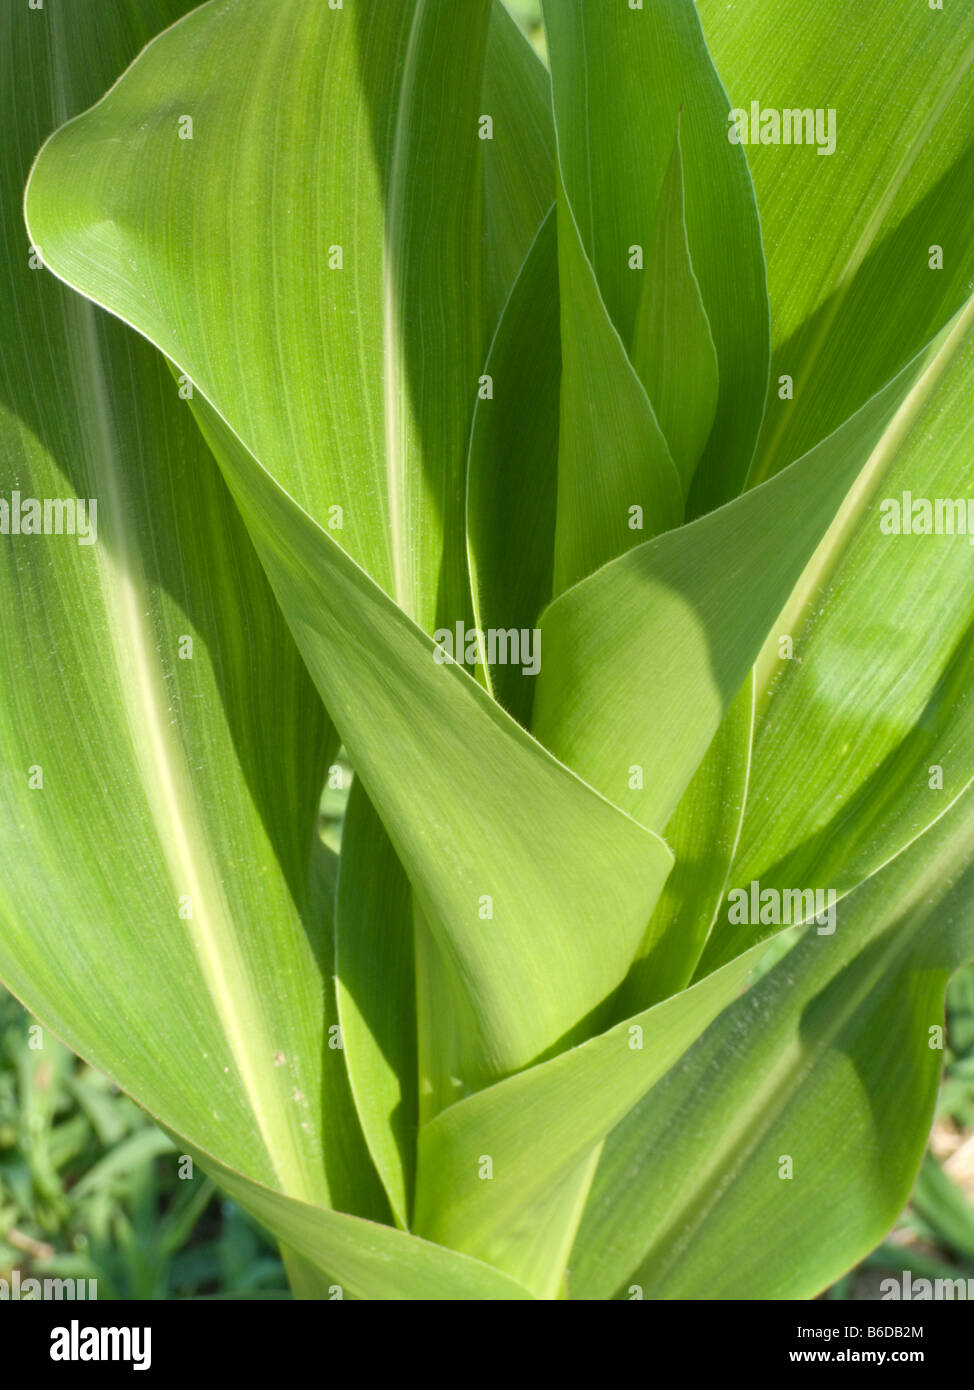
{"points": [[849, 235], [865, 737], [352, 202], [827, 1063], [519, 160], [703, 833], [162, 747], [348, 1256], [527, 952], [673, 348], [698, 604], [619, 80], [541, 1130], [616, 478], [513, 466]]}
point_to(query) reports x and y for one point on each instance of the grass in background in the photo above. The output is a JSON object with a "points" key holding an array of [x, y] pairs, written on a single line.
{"points": [[90, 1186]]}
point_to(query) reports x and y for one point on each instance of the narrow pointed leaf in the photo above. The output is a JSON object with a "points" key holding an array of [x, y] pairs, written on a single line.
{"points": [[513, 469], [519, 160], [619, 80], [673, 348], [375, 973], [616, 477]]}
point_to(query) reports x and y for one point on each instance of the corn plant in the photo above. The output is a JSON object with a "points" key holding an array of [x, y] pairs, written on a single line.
{"points": [[580, 455]]}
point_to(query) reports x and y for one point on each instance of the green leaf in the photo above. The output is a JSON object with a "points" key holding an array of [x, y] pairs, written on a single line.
{"points": [[361, 1258], [848, 236], [333, 413], [374, 969], [840, 784], [541, 1130], [827, 1062], [673, 348], [605, 415], [703, 833], [159, 797], [619, 80], [527, 953], [519, 160], [513, 467], [319, 260], [699, 603]]}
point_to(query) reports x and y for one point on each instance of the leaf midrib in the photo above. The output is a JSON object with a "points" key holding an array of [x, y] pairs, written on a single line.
{"points": [[167, 785], [832, 547]]}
